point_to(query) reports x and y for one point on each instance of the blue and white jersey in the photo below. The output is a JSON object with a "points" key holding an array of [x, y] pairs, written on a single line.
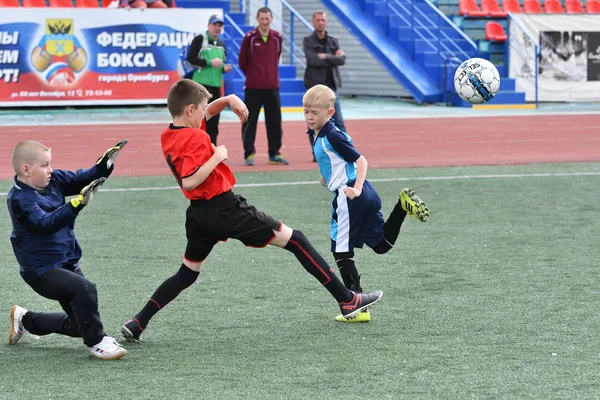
{"points": [[336, 156]]}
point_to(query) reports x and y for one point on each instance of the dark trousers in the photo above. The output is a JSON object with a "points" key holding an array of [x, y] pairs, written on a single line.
{"points": [[270, 100], [77, 297], [212, 125]]}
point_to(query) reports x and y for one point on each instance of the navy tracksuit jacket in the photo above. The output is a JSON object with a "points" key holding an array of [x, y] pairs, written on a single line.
{"points": [[43, 234]]}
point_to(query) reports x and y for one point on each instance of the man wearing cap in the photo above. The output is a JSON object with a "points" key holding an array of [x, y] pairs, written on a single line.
{"points": [[207, 52]]}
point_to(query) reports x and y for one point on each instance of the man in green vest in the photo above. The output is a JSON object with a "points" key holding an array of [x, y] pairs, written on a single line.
{"points": [[207, 52]]}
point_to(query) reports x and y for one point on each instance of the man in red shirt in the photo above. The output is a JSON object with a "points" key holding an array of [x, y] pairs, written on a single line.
{"points": [[216, 214], [259, 59]]}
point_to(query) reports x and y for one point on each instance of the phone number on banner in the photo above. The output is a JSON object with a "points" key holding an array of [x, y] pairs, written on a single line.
{"points": [[57, 94]]}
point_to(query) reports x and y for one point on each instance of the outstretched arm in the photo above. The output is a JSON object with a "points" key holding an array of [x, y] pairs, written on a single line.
{"points": [[36, 219], [236, 104]]}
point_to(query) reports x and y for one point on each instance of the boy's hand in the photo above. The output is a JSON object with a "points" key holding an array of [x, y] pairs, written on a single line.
{"points": [[227, 68], [108, 158], [352, 193], [86, 194], [238, 107], [323, 182], [221, 152]]}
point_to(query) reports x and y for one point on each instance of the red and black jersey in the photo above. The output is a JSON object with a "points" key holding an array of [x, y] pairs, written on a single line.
{"points": [[186, 150]]}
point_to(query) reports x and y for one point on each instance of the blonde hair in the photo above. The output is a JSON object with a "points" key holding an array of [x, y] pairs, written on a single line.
{"points": [[26, 152], [319, 96], [183, 93]]}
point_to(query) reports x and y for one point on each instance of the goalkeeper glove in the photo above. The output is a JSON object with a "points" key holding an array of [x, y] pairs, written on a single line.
{"points": [[86, 194], [108, 158]]}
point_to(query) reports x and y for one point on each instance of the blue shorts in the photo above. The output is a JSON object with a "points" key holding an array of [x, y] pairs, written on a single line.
{"points": [[356, 222]]}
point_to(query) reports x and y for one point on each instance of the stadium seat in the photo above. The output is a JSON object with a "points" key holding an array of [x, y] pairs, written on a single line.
{"points": [[9, 3], [532, 7], [495, 32], [511, 6], [573, 7], [469, 8], [592, 6], [61, 4], [87, 4], [553, 7], [34, 3], [491, 8]]}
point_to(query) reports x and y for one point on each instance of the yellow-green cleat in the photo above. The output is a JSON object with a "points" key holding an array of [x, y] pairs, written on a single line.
{"points": [[363, 316], [413, 205]]}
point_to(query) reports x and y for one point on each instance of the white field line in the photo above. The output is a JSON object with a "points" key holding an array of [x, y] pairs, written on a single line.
{"points": [[399, 179]]}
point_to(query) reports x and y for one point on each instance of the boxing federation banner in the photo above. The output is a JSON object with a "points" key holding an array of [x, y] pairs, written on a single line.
{"points": [[569, 59], [93, 56]]}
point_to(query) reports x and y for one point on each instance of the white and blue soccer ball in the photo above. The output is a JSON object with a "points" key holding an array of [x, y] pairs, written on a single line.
{"points": [[476, 80]]}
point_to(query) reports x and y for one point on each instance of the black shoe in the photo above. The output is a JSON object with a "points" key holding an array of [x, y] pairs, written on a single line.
{"points": [[360, 302], [132, 331]]}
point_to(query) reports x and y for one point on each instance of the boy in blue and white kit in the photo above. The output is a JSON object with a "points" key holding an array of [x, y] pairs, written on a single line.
{"points": [[356, 207]]}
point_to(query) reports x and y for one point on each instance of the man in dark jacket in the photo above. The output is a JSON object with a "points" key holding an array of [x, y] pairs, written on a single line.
{"points": [[323, 56], [259, 59]]}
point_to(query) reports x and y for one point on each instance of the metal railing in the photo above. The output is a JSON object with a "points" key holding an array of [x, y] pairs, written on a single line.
{"points": [[424, 28], [234, 56], [526, 58]]}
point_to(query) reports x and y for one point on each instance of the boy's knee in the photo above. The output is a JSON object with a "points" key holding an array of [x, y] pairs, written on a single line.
{"points": [[85, 289], [298, 236], [343, 256], [187, 276], [382, 247]]}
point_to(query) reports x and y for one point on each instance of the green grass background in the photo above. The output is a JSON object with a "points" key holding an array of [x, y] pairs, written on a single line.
{"points": [[495, 297]]}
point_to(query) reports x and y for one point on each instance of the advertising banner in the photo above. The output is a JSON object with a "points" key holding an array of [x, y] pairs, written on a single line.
{"points": [[93, 56], [569, 62]]}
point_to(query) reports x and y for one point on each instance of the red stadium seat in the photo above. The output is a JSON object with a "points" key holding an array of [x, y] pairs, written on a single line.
{"points": [[511, 6], [9, 3], [470, 8], [87, 4], [532, 7], [34, 3], [592, 6], [553, 7], [573, 7], [495, 32], [61, 4], [491, 8]]}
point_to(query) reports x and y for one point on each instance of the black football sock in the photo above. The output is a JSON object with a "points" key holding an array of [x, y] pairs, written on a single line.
{"points": [[391, 229], [348, 271], [312, 261], [165, 293]]}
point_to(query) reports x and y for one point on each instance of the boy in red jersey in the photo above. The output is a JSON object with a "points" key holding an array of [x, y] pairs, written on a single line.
{"points": [[217, 214]]}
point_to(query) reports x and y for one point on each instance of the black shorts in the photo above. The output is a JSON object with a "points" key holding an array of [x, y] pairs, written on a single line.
{"points": [[222, 217]]}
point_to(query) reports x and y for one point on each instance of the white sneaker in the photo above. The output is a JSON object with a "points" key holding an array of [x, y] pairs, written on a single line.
{"points": [[108, 349], [17, 329]]}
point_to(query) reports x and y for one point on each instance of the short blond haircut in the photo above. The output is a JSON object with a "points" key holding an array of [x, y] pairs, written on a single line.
{"points": [[26, 152], [319, 96]]}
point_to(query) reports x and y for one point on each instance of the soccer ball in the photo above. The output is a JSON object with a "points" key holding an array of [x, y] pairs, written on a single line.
{"points": [[476, 80]]}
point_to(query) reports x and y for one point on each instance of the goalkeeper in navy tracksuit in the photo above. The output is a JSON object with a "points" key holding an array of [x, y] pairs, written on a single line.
{"points": [[44, 243]]}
